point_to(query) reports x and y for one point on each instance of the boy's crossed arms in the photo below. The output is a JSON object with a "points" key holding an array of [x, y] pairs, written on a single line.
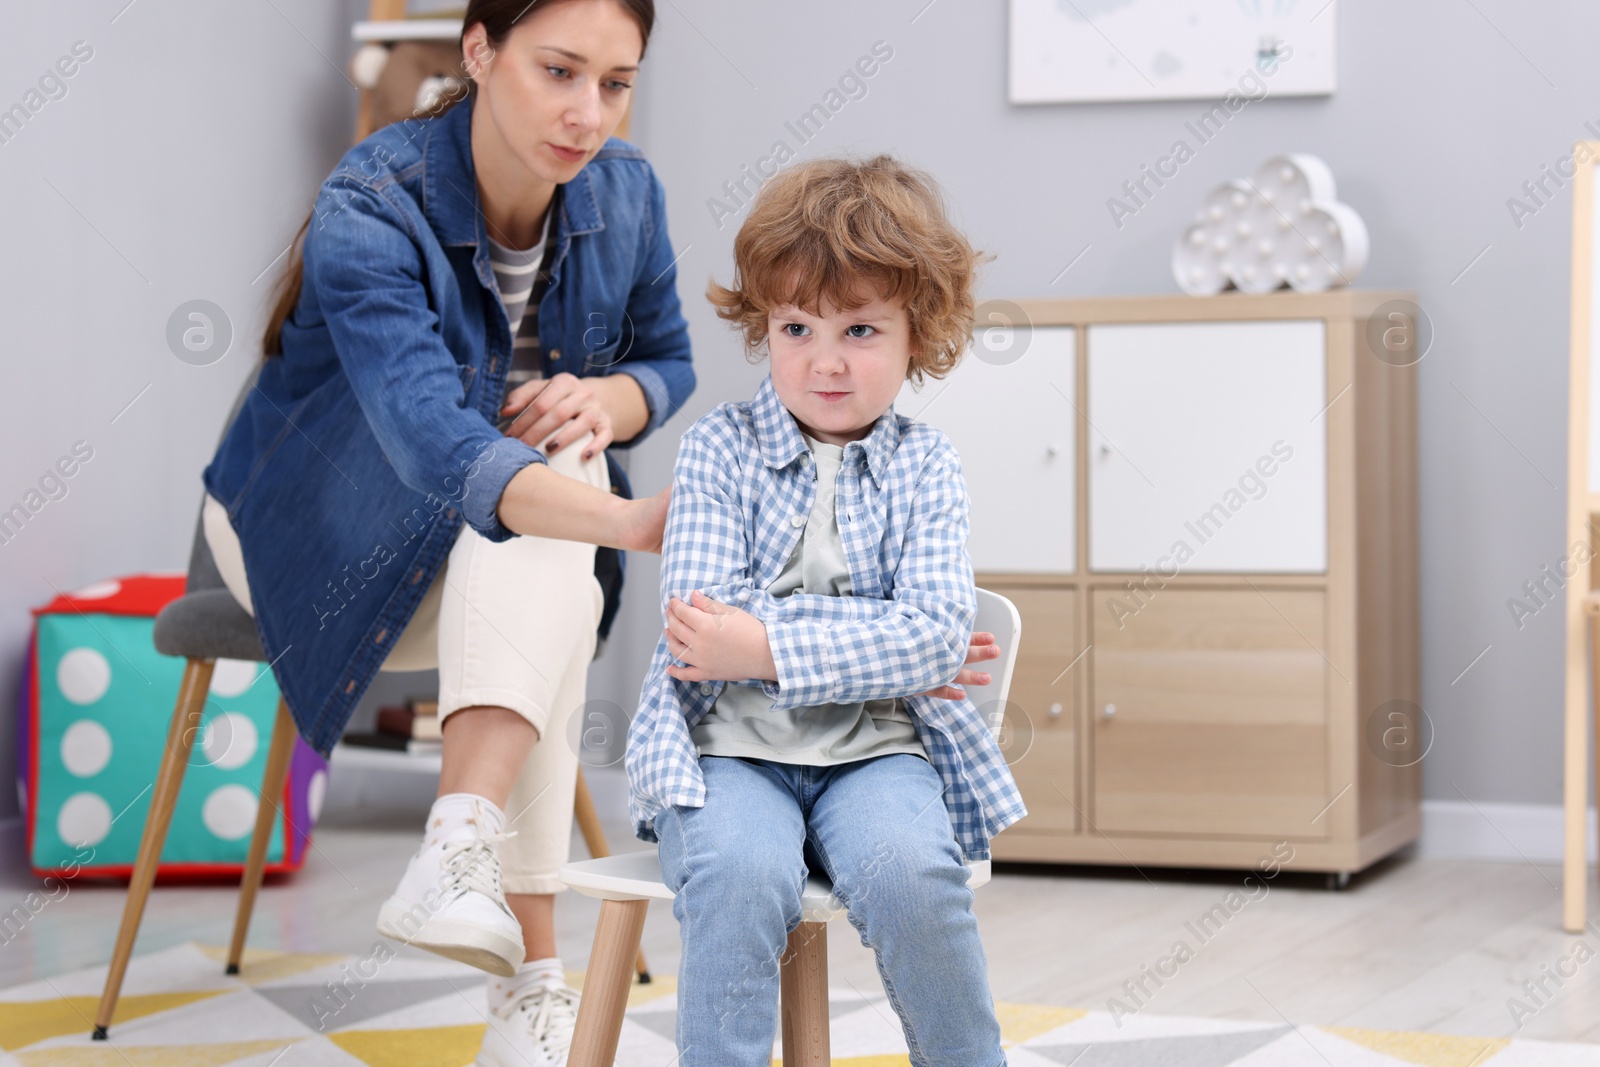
{"points": [[806, 648]]}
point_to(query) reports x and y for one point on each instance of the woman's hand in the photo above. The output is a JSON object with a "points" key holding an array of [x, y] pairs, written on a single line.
{"points": [[644, 521], [719, 642], [565, 406], [983, 647]]}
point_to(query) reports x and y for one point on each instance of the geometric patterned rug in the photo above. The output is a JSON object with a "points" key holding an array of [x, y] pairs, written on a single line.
{"points": [[291, 1009]]}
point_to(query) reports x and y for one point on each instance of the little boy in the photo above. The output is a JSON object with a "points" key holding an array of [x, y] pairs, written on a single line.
{"points": [[814, 577]]}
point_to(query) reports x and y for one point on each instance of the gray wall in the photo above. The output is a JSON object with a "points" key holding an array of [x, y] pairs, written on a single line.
{"points": [[176, 166], [184, 153], [1440, 116]]}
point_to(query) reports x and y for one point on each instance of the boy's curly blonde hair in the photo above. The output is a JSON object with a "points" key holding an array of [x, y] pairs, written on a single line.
{"points": [[827, 229]]}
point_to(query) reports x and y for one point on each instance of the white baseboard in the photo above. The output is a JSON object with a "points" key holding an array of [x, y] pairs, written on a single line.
{"points": [[1481, 830], [1451, 829]]}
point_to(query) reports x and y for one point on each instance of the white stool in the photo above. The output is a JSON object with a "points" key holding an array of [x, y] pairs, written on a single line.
{"points": [[626, 883]]}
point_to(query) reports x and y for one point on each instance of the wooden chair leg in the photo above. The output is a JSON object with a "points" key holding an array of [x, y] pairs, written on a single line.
{"points": [[606, 983], [164, 798], [804, 984], [595, 838], [277, 772]]}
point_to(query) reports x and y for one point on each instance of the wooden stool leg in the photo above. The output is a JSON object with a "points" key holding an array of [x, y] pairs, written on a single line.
{"points": [[804, 984], [606, 983], [595, 838], [164, 798], [277, 772]]}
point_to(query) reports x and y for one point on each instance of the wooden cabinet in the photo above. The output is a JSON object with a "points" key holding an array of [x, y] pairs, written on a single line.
{"points": [[1040, 738], [1009, 413], [1209, 435], [1205, 511], [1210, 713]]}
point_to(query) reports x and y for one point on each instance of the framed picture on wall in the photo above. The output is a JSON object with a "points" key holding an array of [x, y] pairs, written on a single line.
{"points": [[1081, 51]]}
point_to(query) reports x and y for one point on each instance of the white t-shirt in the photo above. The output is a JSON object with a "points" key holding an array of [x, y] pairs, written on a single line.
{"points": [[742, 722]]}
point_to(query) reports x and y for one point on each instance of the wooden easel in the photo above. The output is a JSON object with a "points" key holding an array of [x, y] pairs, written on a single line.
{"points": [[1583, 522]]}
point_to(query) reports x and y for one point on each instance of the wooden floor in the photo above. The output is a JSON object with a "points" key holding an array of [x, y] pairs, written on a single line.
{"points": [[1411, 945]]}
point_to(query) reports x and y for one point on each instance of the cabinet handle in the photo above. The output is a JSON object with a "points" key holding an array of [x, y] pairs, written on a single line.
{"points": [[1052, 451], [1105, 450], [1055, 711], [1108, 711]]}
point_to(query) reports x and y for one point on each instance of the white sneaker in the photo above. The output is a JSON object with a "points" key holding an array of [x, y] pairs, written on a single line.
{"points": [[533, 1031], [449, 901]]}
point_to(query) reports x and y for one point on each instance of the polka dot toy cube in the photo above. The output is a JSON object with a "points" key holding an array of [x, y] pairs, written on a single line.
{"points": [[97, 701]]}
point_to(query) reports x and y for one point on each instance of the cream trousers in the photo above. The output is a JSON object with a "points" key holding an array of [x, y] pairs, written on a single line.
{"points": [[508, 624]]}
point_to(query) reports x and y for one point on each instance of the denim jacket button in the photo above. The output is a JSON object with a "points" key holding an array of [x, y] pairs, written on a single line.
{"points": [[555, 353]]}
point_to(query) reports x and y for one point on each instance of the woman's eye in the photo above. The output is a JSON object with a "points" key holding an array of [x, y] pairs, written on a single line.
{"points": [[559, 72], [860, 330], [618, 86], [795, 329]]}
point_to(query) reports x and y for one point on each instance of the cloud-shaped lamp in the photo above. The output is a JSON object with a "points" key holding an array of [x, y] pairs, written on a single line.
{"points": [[1281, 226]]}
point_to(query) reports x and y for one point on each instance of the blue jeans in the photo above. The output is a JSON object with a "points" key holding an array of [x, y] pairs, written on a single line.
{"points": [[878, 829]]}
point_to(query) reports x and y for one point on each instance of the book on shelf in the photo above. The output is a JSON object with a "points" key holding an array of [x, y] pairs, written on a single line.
{"points": [[410, 721], [411, 746]]}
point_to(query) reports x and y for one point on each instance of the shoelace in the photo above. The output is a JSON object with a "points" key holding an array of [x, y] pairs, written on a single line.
{"points": [[552, 1015], [475, 865]]}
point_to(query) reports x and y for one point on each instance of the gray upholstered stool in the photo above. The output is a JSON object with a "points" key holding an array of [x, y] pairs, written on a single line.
{"points": [[204, 625]]}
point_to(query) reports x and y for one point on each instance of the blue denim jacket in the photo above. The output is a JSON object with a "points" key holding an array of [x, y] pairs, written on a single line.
{"points": [[353, 463]]}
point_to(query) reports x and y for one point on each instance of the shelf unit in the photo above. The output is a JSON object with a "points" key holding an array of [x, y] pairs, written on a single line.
{"points": [[1196, 708], [360, 757], [387, 24]]}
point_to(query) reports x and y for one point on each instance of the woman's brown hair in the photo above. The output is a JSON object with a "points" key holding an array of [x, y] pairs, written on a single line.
{"points": [[499, 18]]}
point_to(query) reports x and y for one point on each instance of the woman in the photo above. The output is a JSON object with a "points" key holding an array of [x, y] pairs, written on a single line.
{"points": [[366, 508], [391, 496]]}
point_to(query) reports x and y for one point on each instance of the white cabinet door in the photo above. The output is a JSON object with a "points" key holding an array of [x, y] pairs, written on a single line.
{"points": [[1208, 447], [1013, 424]]}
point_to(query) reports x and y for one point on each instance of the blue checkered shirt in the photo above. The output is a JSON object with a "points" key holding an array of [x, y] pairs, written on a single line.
{"points": [[742, 490]]}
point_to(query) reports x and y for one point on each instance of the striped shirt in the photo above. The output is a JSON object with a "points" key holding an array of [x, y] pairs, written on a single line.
{"points": [[521, 278], [742, 488]]}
